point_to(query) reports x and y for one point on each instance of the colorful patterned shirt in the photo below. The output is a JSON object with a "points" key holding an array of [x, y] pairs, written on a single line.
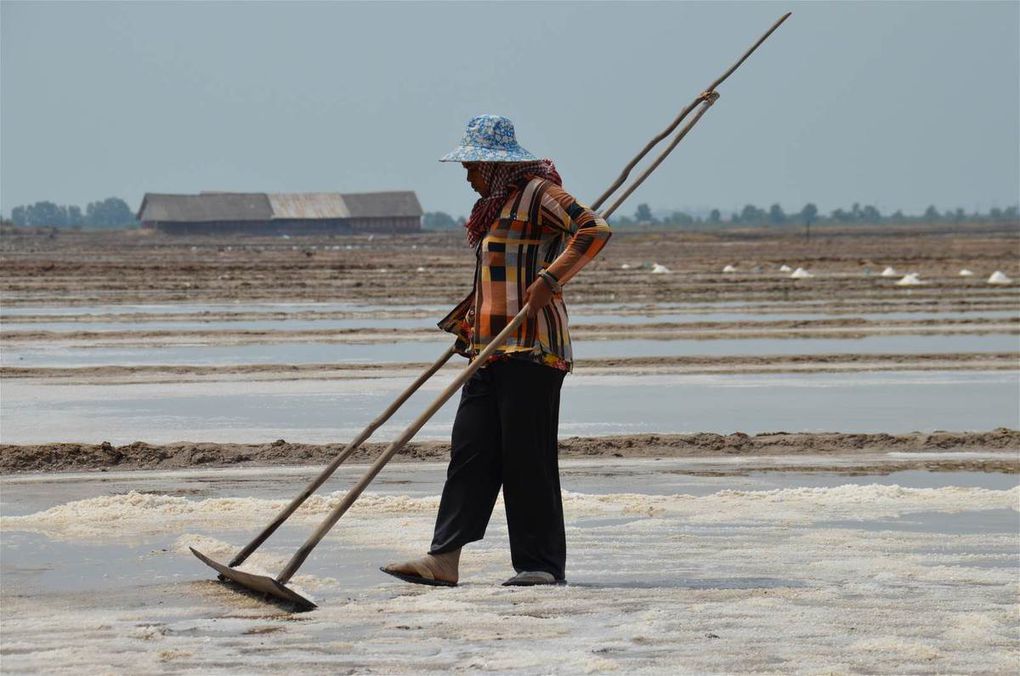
{"points": [[541, 227]]}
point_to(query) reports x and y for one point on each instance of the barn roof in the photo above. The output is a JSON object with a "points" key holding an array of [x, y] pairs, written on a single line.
{"points": [[308, 205], [220, 206], [378, 204]]}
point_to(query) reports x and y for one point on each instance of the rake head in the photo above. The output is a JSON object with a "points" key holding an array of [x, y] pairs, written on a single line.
{"points": [[261, 584]]}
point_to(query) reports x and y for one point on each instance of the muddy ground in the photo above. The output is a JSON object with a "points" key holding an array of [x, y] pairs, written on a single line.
{"points": [[139, 455], [722, 365], [849, 327], [132, 267]]}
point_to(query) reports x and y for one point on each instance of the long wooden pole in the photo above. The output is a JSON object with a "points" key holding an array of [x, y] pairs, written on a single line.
{"points": [[705, 105], [707, 96], [346, 453]]}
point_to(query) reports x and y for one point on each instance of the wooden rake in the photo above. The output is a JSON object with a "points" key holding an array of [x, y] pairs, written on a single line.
{"points": [[276, 588]]}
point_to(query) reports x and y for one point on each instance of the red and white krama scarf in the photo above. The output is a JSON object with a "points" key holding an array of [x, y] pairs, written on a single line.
{"points": [[503, 178]]}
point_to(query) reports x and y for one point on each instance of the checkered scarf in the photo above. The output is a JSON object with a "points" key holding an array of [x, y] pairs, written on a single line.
{"points": [[503, 178]]}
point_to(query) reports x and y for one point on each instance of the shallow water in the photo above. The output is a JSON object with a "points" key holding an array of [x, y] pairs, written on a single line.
{"points": [[329, 411], [66, 355]]}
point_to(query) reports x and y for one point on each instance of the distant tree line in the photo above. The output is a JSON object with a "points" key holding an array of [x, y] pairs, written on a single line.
{"points": [[112, 212], [440, 220], [752, 215], [868, 214]]}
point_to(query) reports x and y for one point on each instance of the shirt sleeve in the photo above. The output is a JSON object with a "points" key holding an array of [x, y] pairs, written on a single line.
{"points": [[589, 232]]}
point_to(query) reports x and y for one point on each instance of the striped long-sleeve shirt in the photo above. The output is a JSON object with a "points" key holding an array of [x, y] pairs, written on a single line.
{"points": [[541, 227]]}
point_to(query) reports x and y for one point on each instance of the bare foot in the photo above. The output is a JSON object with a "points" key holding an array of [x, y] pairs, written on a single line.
{"points": [[431, 567]]}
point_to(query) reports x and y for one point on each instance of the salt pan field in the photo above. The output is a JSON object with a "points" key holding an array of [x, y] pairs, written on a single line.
{"points": [[772, 572], [880, 535]]}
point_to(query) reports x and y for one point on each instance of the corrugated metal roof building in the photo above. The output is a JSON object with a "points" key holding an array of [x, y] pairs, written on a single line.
{"points": [[282, 213]]}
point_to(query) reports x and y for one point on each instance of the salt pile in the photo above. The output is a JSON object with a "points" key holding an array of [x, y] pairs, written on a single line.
{"points": [[999, 278], [909, 280], [785, 268], [420, 269], [660, 269], [966, 273], [114, 517], [729, 268], [625, 266], [801, 273], [889, 272], [146, 513]]}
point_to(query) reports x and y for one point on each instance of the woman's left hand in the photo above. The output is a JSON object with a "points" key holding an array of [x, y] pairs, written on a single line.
{"points": [[538, 296]]}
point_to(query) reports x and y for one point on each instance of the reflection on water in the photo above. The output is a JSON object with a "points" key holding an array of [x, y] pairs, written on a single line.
{"points": [[325, 411]]}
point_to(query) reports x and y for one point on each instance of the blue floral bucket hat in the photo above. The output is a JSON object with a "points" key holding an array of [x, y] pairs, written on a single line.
{"points": [[489, 138]]}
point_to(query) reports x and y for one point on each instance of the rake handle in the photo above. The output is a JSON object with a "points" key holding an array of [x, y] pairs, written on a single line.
{"points": [[391, 450], [346, 453], [705, 105], [674, 124]]}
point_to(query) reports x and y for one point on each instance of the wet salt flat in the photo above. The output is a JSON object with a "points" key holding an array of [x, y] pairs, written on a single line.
{"points": [[36, 492], [69, 355], [767, 572], [320, 411]]}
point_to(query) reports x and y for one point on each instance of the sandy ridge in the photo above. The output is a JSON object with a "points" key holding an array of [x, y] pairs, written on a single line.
{"points": [[721, 365], [841, 306], [850, 327], [140, 455]]}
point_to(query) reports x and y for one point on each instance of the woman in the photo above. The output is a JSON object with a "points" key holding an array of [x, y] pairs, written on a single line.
{"points": [[530, 239]]}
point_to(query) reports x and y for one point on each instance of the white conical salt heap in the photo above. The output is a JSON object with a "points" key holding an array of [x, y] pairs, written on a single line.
{"points": [[999, 278], [909, 280], [889, 272], [729, 268], [966, 273], [625, 266], [785, 268], [660, 269], [801, 273]]}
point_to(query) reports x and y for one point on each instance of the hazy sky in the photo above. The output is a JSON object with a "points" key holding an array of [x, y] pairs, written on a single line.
{"points": [[896, 104]]}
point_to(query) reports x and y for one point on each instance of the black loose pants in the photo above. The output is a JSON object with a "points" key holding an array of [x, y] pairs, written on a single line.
{"points": [[505, 435]]}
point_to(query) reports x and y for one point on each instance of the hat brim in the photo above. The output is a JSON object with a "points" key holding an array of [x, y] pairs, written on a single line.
{"points": [[480, 154]]}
